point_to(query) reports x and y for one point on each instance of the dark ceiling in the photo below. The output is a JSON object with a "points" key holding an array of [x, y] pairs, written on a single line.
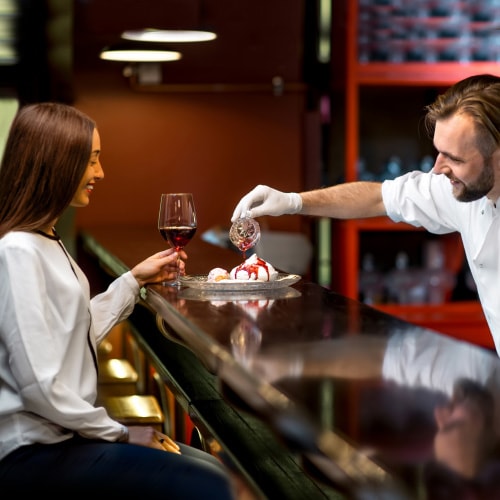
{"points": [[257, 39]]}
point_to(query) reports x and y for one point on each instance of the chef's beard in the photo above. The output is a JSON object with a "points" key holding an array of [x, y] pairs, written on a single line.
{"points": [[481, 187]]}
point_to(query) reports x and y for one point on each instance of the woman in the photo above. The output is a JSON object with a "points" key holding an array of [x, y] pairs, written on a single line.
{"points": [[52, 437]]}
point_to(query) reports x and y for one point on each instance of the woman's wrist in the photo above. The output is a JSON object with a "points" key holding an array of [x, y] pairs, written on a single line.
{"points": [[124, 435]]}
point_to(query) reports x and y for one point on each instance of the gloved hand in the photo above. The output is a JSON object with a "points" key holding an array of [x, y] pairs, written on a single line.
{"points": [[263, 200]]}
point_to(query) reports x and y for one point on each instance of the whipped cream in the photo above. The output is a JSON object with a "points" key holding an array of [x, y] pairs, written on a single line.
{"points": [[254, 269], [217, 274]]}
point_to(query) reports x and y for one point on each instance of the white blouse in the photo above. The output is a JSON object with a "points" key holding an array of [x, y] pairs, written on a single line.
{"points": [[49, 329], [426, 200]]}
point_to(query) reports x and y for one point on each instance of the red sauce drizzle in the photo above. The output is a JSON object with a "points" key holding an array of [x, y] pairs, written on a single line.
{"points": [[253, 268], [244, 246]]}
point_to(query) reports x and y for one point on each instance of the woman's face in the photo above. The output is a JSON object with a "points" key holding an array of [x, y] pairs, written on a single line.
{"points": [[92, 174]]}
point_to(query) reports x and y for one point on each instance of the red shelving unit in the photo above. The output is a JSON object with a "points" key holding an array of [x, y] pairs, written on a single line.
{"points": [[387, 77]]}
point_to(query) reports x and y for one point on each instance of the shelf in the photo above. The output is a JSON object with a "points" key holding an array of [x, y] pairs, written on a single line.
{"points": [[462, 320], [420, 74], [379, 224]]}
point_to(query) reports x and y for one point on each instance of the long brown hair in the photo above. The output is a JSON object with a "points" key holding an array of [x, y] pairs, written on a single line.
{"points": [[45, 157]]}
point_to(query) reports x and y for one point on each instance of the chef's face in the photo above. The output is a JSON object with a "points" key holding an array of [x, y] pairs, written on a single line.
{"points": [[471, 175], [465, 430]]}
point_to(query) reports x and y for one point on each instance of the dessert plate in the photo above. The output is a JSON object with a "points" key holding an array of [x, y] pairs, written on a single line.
{"points": [[200, 282]]}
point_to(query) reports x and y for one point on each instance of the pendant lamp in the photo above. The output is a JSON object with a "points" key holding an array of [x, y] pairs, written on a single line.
{"points": [[173, 36], [138, 53]]}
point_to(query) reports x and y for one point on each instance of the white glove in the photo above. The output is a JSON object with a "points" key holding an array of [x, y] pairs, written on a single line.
{"points": [[263, 200]]}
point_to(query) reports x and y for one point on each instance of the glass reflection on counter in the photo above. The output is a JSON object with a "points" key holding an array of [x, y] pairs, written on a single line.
{"points": [[246, 337]]}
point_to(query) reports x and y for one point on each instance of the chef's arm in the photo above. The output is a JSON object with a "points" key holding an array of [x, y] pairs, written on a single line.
{"points": [[351, 200]]}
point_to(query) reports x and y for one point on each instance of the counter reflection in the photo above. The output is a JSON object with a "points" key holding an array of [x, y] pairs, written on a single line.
{"points": [[419, 404]]}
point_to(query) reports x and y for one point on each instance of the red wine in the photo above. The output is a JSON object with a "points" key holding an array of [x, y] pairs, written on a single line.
{"points": [[177, 236]]}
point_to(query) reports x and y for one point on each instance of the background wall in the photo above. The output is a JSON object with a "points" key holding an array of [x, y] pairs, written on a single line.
{"points": [[216, 144]]}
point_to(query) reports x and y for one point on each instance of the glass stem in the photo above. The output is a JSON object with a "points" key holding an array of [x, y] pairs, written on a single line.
{"points": [[178, 269]]}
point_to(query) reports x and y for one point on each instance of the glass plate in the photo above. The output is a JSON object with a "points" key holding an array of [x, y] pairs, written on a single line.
{"points": [[199, 281]]}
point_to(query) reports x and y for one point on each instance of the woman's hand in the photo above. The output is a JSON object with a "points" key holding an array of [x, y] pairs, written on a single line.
{"points": [[147, 436], [161, 266]]}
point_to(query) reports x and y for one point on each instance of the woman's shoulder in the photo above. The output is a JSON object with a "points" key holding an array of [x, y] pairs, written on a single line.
{"points": [[24, 241], [18, 237]]}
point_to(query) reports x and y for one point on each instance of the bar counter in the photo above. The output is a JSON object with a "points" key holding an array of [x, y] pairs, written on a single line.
{"points": [[311, 394]]}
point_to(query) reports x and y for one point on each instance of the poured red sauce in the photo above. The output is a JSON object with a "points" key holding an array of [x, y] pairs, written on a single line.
{"points": [[253, 269]]}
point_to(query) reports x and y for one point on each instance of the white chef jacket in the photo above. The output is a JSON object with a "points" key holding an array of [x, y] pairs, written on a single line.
{"points": [[48, 375], [426, 200], [420, 358]]}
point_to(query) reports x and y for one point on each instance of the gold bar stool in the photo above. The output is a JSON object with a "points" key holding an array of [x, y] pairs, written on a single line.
{"points": [[117, 377], [117, 374], [137, 409], [120, 385], [117, 393]]}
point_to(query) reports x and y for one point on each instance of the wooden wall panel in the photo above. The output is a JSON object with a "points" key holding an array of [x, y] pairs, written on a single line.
{"points": [[217, 146]]}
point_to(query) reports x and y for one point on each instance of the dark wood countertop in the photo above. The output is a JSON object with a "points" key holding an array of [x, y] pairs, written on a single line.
{"points": [[274, 470], [353, 390]]}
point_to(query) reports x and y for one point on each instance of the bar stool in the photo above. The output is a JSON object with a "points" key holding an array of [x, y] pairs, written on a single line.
{"points": [[137, 409], [117, 377], [121, 386], [117, 393]]}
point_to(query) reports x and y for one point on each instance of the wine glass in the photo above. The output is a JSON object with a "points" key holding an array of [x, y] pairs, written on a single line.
{"points": [[177, 223], [244, 234]]}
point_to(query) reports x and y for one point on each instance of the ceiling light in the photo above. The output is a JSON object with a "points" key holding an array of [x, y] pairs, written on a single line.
{"points": [[130, 54], [156, 35]]}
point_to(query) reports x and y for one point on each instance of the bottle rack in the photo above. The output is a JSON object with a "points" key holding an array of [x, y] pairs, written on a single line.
{"points": [[428, 31]]}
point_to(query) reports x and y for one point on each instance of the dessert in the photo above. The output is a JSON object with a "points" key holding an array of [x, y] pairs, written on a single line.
{"points": [[217, 274], [254, 269]]}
